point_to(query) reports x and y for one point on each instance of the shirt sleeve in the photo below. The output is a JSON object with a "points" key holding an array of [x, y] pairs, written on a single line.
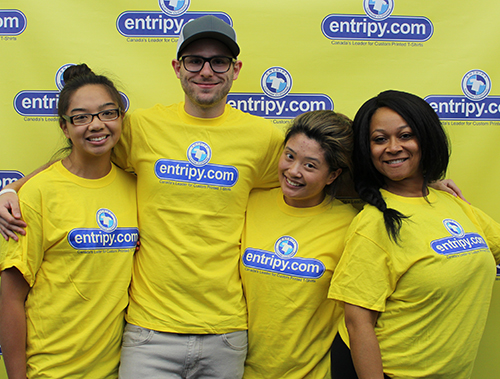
{"points": [[491, 230], [27, 254], [122, 150], [269, 166], [364, 275]]}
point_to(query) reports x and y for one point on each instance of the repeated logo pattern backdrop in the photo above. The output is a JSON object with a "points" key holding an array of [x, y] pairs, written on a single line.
{"points": [[297, 56]]}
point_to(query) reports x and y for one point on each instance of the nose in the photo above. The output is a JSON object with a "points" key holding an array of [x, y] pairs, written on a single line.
{"points": [[96, 124], [294, 169], [394, 146], [206, 70]]}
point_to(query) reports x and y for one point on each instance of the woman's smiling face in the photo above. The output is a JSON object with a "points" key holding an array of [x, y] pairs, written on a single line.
{"points": [[303, 172], [395, 150]]}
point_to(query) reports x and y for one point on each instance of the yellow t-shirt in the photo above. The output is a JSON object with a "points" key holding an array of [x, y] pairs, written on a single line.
{"points": [[77, 258], [194, 179], [288, 258], [433, 290]]}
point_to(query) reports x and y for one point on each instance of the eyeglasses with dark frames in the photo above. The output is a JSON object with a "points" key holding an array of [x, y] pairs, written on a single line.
{"points": [[87, 118], [219, 64]]}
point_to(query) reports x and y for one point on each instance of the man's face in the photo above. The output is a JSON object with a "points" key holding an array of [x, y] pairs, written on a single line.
{"points": [[206, 88]]}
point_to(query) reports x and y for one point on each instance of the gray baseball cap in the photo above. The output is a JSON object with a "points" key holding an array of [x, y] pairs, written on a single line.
{"points": [[208, 27]]}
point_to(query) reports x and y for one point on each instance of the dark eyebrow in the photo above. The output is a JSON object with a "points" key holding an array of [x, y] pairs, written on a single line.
{"points": [[100, 107], [399, 128], [310, 158]]}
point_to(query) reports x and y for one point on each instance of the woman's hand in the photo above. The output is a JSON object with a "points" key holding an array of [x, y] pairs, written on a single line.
{"points": [[449, 186]]}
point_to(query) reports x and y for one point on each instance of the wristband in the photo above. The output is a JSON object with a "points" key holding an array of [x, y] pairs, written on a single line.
{"points": [[7, 190]]}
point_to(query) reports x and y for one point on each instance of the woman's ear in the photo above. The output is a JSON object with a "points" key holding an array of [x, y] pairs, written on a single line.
{"points": [[63, 124], [333, 175]]}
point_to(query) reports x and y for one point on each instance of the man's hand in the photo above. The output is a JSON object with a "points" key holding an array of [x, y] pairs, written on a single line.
{"points": [[10, 217], [10, 213]]}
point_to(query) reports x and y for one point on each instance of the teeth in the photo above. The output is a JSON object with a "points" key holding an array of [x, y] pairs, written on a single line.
{"points": [[396, 161], [292, 183], [97, 139]]}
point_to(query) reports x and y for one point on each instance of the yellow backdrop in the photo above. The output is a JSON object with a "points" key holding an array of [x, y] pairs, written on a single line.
{"points": [[297, 56]]}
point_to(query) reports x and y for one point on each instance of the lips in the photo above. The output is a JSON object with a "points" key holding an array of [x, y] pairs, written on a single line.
{"points": [[207, 82], [206, 85]]}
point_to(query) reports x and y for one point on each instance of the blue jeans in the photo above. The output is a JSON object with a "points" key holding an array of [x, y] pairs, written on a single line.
{"points": [[148, 354]]}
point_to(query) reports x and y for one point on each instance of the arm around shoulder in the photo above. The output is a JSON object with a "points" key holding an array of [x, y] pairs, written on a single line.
{"points": [[269, 161], [10, 212], [10, 216], [448, 185]]}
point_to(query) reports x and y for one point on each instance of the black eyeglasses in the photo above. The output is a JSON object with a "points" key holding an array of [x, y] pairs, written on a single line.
{"points": [[218, 64], [87, 118]]}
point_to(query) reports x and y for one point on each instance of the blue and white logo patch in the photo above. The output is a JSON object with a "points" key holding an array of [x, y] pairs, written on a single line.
{"points": [[106, 220], [60, 74], [174, 8], [286, 247], [199, 153], [378, 9], [454, 228], [476, 85], [276, 82]]}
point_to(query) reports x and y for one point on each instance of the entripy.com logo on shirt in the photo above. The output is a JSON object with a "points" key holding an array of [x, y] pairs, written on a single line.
{"points": [[276, 101], [459, 242], [108, 237], [283, 260], [197, 170], [377, 24]]}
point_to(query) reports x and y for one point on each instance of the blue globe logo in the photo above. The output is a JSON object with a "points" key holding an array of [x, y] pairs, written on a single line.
{"points": [[286, 247], [199, 153], [106, 220], [476, 85], [454, 227], [276, 82], [60, 74], [174, 7], [378, 9]]}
